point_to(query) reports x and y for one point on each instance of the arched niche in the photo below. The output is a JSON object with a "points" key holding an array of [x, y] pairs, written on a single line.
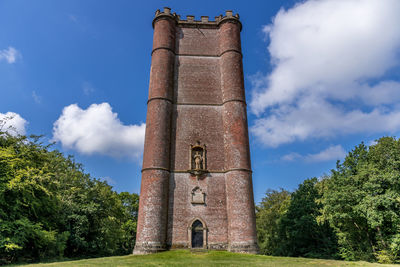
{"points": [[197, 157]]}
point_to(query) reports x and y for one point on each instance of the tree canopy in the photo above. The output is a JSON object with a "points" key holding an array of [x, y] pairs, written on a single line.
{"points": [[353, 213], [49, 207], [362, 202]]}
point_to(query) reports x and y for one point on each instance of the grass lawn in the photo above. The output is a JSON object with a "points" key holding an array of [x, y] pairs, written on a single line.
{"points": [[212, 258]]}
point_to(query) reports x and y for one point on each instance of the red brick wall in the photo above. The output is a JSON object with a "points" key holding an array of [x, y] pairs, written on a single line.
{"points": [[196, 93]]}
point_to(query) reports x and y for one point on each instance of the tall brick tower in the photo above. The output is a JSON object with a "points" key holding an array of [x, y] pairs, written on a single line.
{"points": [[196, 187]]}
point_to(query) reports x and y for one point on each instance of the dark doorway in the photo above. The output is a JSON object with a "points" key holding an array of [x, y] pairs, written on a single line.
{"points": [[197, 234]]}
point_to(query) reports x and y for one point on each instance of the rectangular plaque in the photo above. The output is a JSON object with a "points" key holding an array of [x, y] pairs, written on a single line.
{"points": [[198, 198]]}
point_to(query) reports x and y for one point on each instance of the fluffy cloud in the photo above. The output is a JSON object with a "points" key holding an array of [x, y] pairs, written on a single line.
{"points": [[331, 153], [330, 59], [97, 130], [12, 123], [314, 117], [10, 55]]}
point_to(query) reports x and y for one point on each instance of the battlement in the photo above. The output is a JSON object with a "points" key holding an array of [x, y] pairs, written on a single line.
{"points": [[190, 21]]}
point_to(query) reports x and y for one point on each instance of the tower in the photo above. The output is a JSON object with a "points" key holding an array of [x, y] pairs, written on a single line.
{"points": [[196, 186]]}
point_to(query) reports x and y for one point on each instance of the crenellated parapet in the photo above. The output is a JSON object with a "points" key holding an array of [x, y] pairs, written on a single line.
{"points": [[190, 20]]}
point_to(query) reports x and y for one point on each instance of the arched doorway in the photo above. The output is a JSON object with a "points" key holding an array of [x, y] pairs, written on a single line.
{"points": [[197, 234]]}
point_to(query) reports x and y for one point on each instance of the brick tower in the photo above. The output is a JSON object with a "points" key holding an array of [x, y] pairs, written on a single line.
{"points": [[196, 187]]}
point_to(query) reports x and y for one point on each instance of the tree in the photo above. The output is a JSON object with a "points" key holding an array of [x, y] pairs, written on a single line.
{"points": [[268, 215], [28, 203], [131, 205], [49, 207], [300, 231], [362, 202]]}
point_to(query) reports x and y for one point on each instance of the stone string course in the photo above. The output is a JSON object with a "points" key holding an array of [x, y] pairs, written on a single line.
{"points": [[196, 93]]}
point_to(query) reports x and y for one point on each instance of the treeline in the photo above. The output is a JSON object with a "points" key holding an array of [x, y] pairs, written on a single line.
{"points": [[49, 207], [351, 214]]}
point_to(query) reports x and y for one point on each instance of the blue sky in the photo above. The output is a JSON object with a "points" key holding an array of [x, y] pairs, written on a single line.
{"points": [[320, 77]]}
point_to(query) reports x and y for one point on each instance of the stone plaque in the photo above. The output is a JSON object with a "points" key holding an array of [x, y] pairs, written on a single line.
{"points": [[198, 197]]}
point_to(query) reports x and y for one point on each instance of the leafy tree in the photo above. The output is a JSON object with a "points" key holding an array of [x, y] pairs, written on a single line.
{"points": [[28, 203], [268, 215], [131, 204], [362, 202], [50, 208], [300, 232]]}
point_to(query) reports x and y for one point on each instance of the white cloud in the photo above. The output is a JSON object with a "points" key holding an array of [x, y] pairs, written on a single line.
{"points": [[97, 130], [314, 117], [329, 60], [291, 156], [10, 55], [331, 153], [12, 123]]}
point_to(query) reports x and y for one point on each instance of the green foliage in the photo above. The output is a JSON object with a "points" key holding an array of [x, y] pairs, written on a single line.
{"points": [[300, 233], [50, 208], [362, 202], [354, 213], [268, 215], [131, 204], [287, 224]]}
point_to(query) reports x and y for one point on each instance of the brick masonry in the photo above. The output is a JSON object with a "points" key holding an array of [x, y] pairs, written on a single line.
{"points": [[196, 94]]}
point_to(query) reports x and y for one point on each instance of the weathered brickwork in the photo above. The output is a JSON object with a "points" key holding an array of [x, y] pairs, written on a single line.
{"points": [[198, 80], [196, 162]]}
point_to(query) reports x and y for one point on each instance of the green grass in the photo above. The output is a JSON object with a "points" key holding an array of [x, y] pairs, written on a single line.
{"points": [[212, 258]]}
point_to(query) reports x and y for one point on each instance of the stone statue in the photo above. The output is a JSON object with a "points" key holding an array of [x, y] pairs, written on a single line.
{"points": [[197, 160]]}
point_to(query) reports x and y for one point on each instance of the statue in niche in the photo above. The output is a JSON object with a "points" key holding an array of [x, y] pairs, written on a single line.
{"points": [[197, 159]]}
